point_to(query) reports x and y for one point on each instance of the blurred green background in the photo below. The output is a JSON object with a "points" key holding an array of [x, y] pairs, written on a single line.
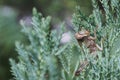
{"points": [[12, 11]]}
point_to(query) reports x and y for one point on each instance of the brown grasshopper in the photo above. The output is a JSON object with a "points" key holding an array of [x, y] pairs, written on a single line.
{"points": [[83, 36]]}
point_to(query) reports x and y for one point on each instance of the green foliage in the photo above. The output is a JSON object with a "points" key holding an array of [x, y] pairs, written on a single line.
{"points": [[37, 60], [107, 20], [9, 32], [45, 59]]}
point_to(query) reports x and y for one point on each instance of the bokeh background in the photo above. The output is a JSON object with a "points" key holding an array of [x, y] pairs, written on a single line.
{"points": [[12, 11]]}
